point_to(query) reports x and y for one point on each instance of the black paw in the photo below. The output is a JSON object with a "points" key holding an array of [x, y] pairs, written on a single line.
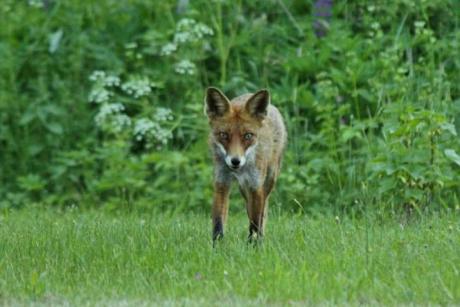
{"points": [[255, 238], [217, 232]]}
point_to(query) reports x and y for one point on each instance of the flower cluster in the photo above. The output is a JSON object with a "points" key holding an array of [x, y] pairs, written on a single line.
{"points": [[188, 30], [137, 87], [168, 49], [36, 3], [142, 127], [100, 94], [185, 67], [101, 77], [111, 118], [151, 130], [163, 115]]}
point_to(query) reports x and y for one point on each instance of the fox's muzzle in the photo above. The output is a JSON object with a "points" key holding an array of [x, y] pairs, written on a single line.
{"points": [[235, 162]]}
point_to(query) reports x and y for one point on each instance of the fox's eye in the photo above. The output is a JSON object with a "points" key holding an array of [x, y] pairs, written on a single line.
{"points": [[223, 135], [248, 136]]}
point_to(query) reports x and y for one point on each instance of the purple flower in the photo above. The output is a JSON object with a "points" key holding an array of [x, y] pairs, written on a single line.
{"points": [[322, 12]]}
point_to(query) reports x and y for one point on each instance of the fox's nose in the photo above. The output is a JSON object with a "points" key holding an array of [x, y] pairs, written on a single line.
{"points": [[235, 162]]}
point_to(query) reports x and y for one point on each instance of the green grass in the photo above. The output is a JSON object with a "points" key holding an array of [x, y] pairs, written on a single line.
{"points": [[50, 257]]}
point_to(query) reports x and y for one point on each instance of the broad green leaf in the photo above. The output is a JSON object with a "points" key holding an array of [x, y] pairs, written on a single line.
{"points": [[55, 128], [449, 128], [26, 118], [453, 156], [55, 39]]}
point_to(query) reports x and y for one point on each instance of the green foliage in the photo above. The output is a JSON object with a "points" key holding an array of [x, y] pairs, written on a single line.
{"points": [[101, 102]]}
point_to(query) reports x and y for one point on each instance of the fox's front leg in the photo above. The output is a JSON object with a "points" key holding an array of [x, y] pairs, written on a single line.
{"points": [[219, 209], [256, 212]]}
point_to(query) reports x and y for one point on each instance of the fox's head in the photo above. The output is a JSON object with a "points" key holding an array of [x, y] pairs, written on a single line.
{"points": [[235, 126]]}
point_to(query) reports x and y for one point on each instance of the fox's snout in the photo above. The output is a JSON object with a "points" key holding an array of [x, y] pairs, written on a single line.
{"points": [[235, 162]]}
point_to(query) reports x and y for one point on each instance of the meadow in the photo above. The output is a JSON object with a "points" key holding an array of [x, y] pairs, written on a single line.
{"points": [[93, 258]]}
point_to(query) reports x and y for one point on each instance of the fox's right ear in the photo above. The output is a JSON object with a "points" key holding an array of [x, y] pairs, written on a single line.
{"points": [[215, 103]]}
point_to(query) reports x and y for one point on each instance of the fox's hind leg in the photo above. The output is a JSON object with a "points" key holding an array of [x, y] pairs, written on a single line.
{"points": [[219, 209], [257, 204]]}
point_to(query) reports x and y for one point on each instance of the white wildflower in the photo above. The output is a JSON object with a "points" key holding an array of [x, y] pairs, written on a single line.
{"points": [[111, 81], [202, 30], [142, 127], [99, 95], [163, 115], [168, 49], [185, 67], [36, 3], [106, 110], [419, 24], [119, 122], [151, 130], [97, 75], [188, 30], [110, 117], [182, 37], [185, 23], [137, 87], [101, 78], [163, 136]]}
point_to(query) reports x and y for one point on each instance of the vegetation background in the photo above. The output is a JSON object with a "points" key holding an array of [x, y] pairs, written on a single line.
{"points": [[101, 101]]}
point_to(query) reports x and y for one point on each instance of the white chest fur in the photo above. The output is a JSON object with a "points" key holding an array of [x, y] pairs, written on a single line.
{"points": [[248, 177]]}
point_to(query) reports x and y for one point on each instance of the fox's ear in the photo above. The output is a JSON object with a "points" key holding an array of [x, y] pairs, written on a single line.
{"points": [[257, 105], [216, 104]]}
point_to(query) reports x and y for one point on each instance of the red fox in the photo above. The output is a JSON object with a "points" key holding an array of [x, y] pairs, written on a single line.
{"points": [[247, 139]]}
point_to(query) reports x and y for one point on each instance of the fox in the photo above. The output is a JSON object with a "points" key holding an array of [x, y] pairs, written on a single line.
{"points": [[247, 140]]}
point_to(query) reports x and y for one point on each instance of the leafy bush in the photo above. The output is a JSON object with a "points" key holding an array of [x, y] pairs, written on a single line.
{"points": [[101, 102]]}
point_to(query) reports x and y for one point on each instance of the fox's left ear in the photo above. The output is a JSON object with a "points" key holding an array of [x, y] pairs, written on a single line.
{"points": [[257, 105]]}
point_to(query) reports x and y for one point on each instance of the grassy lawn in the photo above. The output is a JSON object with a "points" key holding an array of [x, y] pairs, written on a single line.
{"points": [[48, 257]]}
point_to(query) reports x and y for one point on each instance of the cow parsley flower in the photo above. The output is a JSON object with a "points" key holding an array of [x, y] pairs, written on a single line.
{"points": [[101, 78], [168, 49], [203, 30], [110, 117], [99, 95], [97, 75], [143, 127], [137, 87], [106, 110], [188, 30], [112, 81], [163, 115], [152, 130], [185, 67], [419, 24], [36, 3], [119, 122]]}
